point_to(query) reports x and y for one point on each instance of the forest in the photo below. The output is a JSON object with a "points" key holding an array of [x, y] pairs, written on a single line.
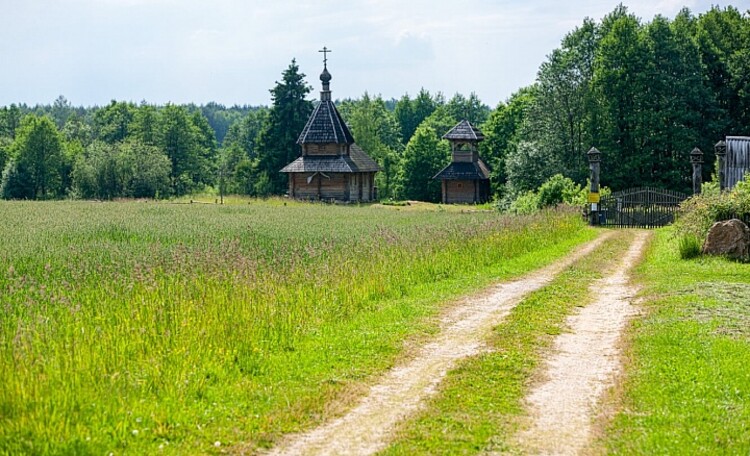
{"points": [[644, 93]]}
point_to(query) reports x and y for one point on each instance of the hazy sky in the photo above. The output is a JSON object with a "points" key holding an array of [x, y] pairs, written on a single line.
{"points": [[233, 51]]}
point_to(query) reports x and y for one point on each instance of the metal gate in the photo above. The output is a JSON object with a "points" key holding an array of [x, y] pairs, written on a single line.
{"points": [[643, 207]]}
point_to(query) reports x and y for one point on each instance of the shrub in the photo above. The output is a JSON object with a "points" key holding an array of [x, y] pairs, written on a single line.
{"points": [[699, 212]]}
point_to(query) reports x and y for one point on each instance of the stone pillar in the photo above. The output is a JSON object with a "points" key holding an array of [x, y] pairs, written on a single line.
{"points": [[594, 164], [721, 154], [696, 158]]}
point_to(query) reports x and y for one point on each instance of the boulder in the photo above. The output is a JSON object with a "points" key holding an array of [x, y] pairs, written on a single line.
{"points": [[730, 238]]}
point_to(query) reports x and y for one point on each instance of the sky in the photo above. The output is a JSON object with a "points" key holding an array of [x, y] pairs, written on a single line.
{"points": [[233, 51]]}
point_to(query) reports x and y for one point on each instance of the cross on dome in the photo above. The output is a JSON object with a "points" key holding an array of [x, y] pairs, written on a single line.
{"points": [[325, 52]]}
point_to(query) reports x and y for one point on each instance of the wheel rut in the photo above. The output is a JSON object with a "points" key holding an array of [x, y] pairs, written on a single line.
{"points": [[582, 365]]}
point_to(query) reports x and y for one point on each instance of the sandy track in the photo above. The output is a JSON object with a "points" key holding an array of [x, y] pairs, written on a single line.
{"points": [[368, 427], [584, 364]]}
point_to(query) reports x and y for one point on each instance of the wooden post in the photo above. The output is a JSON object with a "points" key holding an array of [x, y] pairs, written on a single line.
{"points": [[721, 154], [696, 158], [594, 164]]}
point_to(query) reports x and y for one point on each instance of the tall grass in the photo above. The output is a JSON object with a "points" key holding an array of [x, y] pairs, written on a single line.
{"points": [[129, 327]]}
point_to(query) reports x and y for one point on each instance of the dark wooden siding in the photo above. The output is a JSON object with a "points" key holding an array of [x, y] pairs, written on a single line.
{"points": [[325, 149], [337, 186], [459, 191]]}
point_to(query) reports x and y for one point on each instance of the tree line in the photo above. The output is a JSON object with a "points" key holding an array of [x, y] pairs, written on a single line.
{"points": [[644, 93]]}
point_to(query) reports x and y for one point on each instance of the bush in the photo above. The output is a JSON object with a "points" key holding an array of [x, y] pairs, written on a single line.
{"points": [[556, 190], [699, 212], [527, 203]]}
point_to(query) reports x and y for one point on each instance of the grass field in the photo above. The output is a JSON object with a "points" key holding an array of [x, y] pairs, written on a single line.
{"points": [[136, 327], [688, 385]]}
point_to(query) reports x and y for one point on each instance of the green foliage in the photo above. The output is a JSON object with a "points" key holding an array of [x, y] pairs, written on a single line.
{"points": [[411, 113], [10, 120], [529, 165], [35, 169], [644, 93], [500, 134], [177, 138], [699, 212], [471, 109], [377, 132], [113, 122], [424, 157], [556, 190], [128, 169], [526, 203], [277, 139]]}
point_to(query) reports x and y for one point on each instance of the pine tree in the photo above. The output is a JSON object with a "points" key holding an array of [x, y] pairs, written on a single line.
{"points": [[277, 140]]}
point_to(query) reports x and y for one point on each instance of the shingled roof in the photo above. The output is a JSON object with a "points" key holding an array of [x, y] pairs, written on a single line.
{"points": [[465, 171], [464, 131], [356, 162], [325, 126]]}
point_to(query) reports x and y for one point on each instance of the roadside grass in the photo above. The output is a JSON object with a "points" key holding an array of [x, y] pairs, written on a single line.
{"points": [[687, 383], [139, 327], [478, 407]]}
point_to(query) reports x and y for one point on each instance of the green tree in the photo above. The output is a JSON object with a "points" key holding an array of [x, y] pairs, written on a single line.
{"points": [[205, 139], [10, 120], [528, 166], [126, 169], [501, 132], [145, 125], [113, 122], [96, 173], [5, 147], [243, 133], [471, 109], [76, 129], [61, 111], [176, 137], [376, 131], [719, 35], [411, 113], [277, 140], [619, 82], [145, 170], [424, 156], [440, 120], [37, 161]]}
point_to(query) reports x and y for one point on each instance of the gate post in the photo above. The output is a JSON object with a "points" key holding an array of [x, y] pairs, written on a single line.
{"points": [[721, 153], [696, 158], [594, 164]]}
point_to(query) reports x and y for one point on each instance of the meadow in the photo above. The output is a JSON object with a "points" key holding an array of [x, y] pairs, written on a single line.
{"points": [[137, 327]]}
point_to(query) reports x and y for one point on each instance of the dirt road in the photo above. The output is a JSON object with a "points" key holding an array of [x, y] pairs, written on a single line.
{"points": [[367, 427]]}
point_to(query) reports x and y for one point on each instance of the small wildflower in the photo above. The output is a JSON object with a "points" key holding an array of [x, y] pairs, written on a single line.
{"points": [[135, 431], [217, 444]]}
